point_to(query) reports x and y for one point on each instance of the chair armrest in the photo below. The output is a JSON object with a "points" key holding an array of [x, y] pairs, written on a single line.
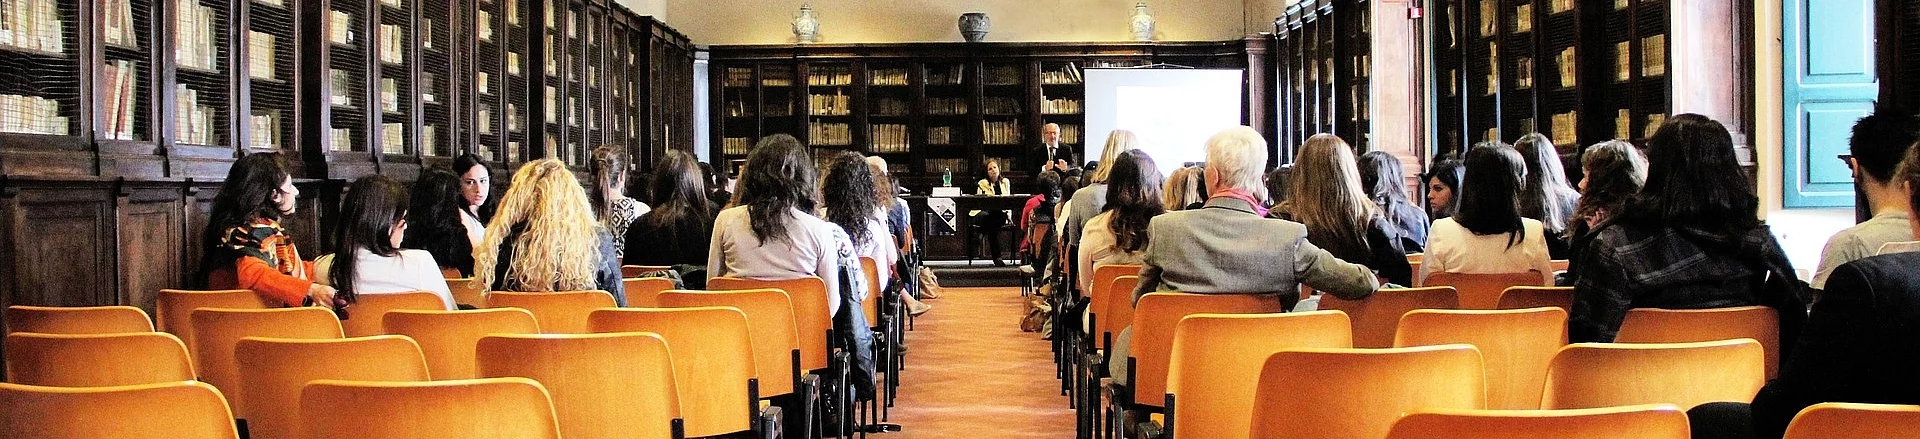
{"points": [[766, 423]]}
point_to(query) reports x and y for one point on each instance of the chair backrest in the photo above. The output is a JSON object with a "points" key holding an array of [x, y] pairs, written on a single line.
{"points": [[216, 331], [1560, 264], [1377, 317], [447, 338], [96, 360], [1101, 296], [603, 385], [1588, 375], [146, 411], [363, 318], [1119, 311], [467, 292], [1414, 260], [1217, 356], [490, 408], [770, 325], [714, 368], [1153, 326], [1482, 290], [1523, 297], [1653, 325], [627, 271], [644, 292], [1650, 421], [173, 309], [1838, 420], [810, 311], [563, 312], [1359, 393], [77, 319], [1516, 345], [273, 370], [869, 305]]}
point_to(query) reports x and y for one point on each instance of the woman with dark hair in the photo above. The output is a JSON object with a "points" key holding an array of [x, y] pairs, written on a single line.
{"points": [[1487, 235], [1546, 195], [373, 219], [609, 195], [771, 233], [1118, 235], [1443, 188], [1385, 183], [677, 230], [849, 203], [476, 193], [1612, 172], [246, 248], [545, 238], [434, 222], [1690, 239], [1340, 219], [1279, 183]]}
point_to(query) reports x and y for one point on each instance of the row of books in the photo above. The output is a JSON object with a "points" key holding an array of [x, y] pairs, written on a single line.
{"points": [[829, 105], [888, 138], [263, 128], [1000, 133], [393, 44], [117, 23], [389, 95], [121, 99], [831, 134], [193, 123], [342, 140], [946, 106], [1068, 75], [889, 77], [939, 135], [339, 28], [830, 76], [736, 77], [735, 145], [1070, 134], [1061, 106], [1000, 105], [1003, 75], [33, 25], [260, 55], [891, 107], [1566, 128], [341, 94], [194, 36], [952, 75], [955, 166], [31, 114], [393, 138]]}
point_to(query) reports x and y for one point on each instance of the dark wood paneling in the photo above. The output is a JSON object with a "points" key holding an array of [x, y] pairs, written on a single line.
{"points": [[151, 222], [62, 246]]}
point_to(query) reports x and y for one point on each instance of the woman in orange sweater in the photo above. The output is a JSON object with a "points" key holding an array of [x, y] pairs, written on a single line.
{"points": [[246, 246]]}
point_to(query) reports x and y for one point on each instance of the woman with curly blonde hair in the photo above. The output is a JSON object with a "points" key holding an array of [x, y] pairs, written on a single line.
{"points": [[546, 213]]}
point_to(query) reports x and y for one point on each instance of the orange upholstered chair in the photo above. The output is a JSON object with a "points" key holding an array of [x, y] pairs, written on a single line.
{"points": [[363, 318], [1482, 291], [1835, 420], [1590, 375], [603, 385], [1376, 317], [644, 292], [718, 391], [563, 312], [810, 311], [1516, 345], [1523, 297], [447, 338], [96, 360], [217, 331], [467, 292], [770, 324], [173, 309], [1651, 421], [181, 409], [490, 408], [77, 319], [273, 370], [1217, 358], [1154, 321], [1360, 393], [1652, 325]]}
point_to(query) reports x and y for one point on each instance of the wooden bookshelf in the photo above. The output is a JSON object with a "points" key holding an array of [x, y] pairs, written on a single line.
{"points": [[1898, 29], [1346, 67]]}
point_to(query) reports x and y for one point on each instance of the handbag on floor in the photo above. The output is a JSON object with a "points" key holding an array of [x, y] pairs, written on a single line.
{"points": [[929, 284]]}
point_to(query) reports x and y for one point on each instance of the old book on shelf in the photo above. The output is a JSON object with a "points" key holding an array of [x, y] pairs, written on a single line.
{"points": [[342, 88], [1623, 62], [342, 139], [393, 44], [259, 55], [117, 28], [33, 25], [1568, 66], [483, 26], [389, 95], [393, 138], [121, 76], [427, 94], [340, 28], [483, 117], [1653, 55], [263, 127], [195, 36]]}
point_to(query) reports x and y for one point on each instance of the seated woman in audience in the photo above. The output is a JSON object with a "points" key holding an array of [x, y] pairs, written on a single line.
{"points": [[1119, 234], [373, 219], [476, 190], [850, 201], [1612, 172], [1385, 183], [246, 248], [544, 238], [1688, 240], [679, 227], [1091, 198], [1487, 235], [434, 223], [1230, 248], [1279, 186], [770, 233], [1182, 189], [611, 205], [895, 208], [1546, 196], [1330, 201], [1443, 189]]}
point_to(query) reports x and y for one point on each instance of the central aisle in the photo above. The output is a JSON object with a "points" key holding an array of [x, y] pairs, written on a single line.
{"points": [[971, 373]]}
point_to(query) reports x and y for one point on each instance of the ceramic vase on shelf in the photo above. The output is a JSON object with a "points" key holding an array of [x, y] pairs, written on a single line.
{"points": [[974, 26], [806, 27], [1142, 22]]}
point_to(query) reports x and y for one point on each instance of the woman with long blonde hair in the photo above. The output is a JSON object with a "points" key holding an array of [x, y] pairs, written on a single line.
{"points": [[1339, 216], [546, 213], [1182, 190]]}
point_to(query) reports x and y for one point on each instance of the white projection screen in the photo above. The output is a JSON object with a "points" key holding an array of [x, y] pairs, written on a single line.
{"points": [[1173, 111]]}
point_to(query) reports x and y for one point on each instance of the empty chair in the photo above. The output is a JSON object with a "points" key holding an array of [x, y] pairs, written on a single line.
{"points": [[1154, 320], [273, 370], [562, 312], [1359, 393], [643, 292], [1653, 325], [810, 312], [1482, 291], [1376, 317], [1650, 421], [603, 385], [770, 326], [1523, 297], [1217, 358], [363, 318], [96, 360], [490, 408], [1104, 299], [77, 319], [1515, 345], [1838, 420], [447, 338], [467, 292], [216, 331], [173, 309], [716, 381], [181, 409], [1589, 375]]}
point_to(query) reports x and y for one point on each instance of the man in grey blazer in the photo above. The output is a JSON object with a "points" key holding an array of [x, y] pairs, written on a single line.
{"points": [[1230, 247]]}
